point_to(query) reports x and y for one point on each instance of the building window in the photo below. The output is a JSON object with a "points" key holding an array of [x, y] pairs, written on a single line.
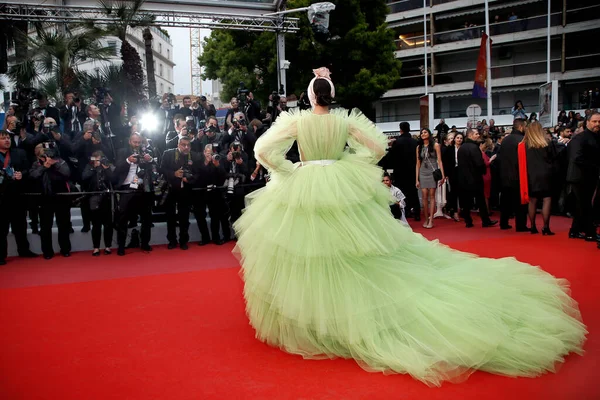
{"points": [[160, 48], [162, 88], [168, 54], [160, 70], [112, 45], [169, 89]]}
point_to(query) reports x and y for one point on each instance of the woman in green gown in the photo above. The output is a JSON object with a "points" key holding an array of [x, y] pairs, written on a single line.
{"points": [[330, 273]]}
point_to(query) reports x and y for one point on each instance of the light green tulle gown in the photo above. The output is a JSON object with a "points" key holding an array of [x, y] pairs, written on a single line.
{"points": [[330, 273]]}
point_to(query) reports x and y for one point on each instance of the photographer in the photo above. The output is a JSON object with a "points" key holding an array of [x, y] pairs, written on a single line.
{"points": [[212, 136], [134, 173], [212, 177], [234, 108], [46, 109], [35, 120], [236, 166], [50, 133], [274, 109], [51, 176], [240, 133], [97, 177], [110, 113], [181, 169], [72, 114], [203, 111], [13, 176], [252, 109], [173, 137]]}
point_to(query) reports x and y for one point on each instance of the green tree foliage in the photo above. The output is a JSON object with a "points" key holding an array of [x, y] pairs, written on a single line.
{"points": [[359, 52]]}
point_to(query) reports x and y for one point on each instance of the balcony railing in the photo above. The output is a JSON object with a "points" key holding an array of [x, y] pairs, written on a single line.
{"points": [[411, 41], [405, 5]]}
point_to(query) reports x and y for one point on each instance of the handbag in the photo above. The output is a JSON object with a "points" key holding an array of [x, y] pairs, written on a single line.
{"points": [[437, 173]]}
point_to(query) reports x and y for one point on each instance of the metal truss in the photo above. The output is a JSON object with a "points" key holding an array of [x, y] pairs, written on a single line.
{"points": [[195, 51], [50, 13]]}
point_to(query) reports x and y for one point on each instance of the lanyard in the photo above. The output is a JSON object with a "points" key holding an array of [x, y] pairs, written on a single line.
{"points": [[6, 159]]}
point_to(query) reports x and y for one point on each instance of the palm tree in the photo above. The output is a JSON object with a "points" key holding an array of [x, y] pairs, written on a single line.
{"points": [[109, 76], [58, 52], [127, 14], [150, 64]]}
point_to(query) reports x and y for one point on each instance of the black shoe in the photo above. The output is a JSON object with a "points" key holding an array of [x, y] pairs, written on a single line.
{"points": [[48, 256], [576, 235], [96, 253], [533, 230], [183, 246], [35, 230], [417, 218], [120, 251], [146, 247], [469, 225], [28, 254], [547, 231], [505, 227], [107, 251], [219, 242], [66, 254], [85, 229], [523, 229], [592, 238], [2, 262], [489, 223], [203, 242], [71, 230], [171, 246]]}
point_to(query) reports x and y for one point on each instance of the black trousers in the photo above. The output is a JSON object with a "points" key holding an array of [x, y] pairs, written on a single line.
{"points": [[13, 215], [131, 205], [177, 208], [452, 194], [466, 204], [510, 202], [583, 216], [236, 205], [199, 199], [59, 207], [396, 211], [86, 213], [102, 218], [412, 196], [219, 214]]}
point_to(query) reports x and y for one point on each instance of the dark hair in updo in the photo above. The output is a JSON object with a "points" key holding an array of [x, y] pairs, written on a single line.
{"points": [[322, 90]]}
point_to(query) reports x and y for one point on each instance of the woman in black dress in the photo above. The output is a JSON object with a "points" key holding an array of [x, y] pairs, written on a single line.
{"points": [[541, 156]]}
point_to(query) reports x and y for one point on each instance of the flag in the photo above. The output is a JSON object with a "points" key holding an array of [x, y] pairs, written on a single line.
{"points": [[480, 84]]}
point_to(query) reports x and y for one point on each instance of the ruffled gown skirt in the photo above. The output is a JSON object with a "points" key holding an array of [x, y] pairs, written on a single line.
{"points": [[330, 273]]}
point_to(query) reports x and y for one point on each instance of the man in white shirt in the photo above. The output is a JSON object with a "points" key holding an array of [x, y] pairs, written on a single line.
{"points": [[398, 207]]}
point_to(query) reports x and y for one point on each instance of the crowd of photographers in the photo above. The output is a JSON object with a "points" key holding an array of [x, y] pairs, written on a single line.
{"points": [[167, 161]]}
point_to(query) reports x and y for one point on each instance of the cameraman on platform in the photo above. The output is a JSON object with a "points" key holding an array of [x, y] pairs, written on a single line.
{"points": [[133, 173], [51, 175], [236, 166], [50, 133], [181, 169], [72, 114], [173, 137], [212, 177], [13, 174], [211, 136], [240, 133], [97, 177], [110, 113]]}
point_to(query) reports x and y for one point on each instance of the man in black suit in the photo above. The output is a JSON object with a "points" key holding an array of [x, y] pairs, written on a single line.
{"points": [[181, 169], [403, 159], [510, 194], [471, 169], [46, 109], [14, 170], [133, 172], [112, 125], [582, 174], [72, 114]]}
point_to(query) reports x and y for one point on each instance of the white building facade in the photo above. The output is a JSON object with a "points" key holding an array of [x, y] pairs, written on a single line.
{"points": [[518, 30]]}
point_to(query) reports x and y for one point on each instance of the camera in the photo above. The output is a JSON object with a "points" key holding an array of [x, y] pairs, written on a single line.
{"points": [[48, 127], [242, 94], [96, 133], [5, 176], [101, 93], [103, 160], [23, 98], [50, 150], [172, 99], [275, 98], [216, 157], [236, 155], [187, 173]]}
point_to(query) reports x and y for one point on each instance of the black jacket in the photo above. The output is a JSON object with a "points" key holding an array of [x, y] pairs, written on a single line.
{"points": [[11, 187], [68, 114], [471, 166], [50, 112], [51, 180], [144, 170], [508, 160], [403, 159], [173, 160], [584, 158], [449, 160], [211, 174]]}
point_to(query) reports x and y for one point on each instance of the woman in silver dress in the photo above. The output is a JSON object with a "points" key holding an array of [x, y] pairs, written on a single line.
{"points": [[429, 159]]}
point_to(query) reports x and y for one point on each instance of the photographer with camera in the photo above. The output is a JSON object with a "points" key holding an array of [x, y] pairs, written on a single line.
{"points": [[181, 169], [202, 112], [240, 133], [236, 166], [97, 177], [252, 108], [134, 173], [46, 109], [274, 109], [72, 114], [51, 175], [173, 137], [211, 135], [110, 114], [212, 177], [50, 133], [13, 175], [234, 108]]}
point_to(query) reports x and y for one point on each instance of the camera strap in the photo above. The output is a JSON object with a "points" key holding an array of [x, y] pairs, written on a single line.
{"points": [[6, 159]]}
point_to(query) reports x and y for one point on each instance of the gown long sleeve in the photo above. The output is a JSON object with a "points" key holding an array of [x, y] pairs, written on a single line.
{"points": [[270, 148]]}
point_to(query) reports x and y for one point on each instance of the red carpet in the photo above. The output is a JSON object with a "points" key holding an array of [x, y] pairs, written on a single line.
{"points": [[171, 325]]}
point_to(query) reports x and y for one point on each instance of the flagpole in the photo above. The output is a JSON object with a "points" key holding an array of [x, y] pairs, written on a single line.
{"points": [[548, 46], [425, 40], [489, 62]]}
